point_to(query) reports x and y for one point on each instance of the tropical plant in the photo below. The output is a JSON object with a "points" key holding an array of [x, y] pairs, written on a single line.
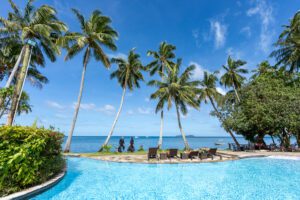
{"points": [[232, 77], [28, 156], [269, 106], [128, 75], [178, 89], [209, 92], [161, 65], [35, 27], [95, 33], [6, 95], [263, 68], [288, 52]]}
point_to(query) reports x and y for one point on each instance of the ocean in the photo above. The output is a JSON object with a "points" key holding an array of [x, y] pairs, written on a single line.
{"points": [[92, 143]]}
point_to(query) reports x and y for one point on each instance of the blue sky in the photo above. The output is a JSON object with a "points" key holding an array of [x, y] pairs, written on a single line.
{"points": [[204, 32]]}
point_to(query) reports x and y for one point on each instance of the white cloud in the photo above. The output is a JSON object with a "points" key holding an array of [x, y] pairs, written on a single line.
{"points": [[54, 104], [130, 112], [85, 106], [147, 99], [117, 55], [144, 111], [195, 34], [198, 72], [61, 116], [219, 32], [221, 90], [265, 13], [108, 109], [247, 31], [129, 94], [236, 54]]}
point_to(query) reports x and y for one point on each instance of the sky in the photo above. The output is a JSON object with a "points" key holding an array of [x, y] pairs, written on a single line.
{"points": [[204, 33]]}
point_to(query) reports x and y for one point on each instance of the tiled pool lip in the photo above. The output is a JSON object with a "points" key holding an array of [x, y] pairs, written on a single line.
{"points": [[231, 156], [35, 190]]}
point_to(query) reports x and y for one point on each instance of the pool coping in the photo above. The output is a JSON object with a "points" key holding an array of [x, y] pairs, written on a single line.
{"points": [[37, 189], [231, 156], [167, 161]]}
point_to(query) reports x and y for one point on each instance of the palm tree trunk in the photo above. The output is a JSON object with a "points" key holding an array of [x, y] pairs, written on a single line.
{"points": [[159, 145], [221, 118], [273, 139], [298, 140], [186, 145], [115, 121], [19, 85], [161, 129], [68, 143], [236, 93], [13, 72]]}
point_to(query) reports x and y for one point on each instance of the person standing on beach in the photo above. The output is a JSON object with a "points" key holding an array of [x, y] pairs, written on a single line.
{"points": [[121, 145], [131, 146]]}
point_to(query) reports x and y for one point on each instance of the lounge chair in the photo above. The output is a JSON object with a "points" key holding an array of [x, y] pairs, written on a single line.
{"points": [[234, 147], [152, 153], [193, 154], [210, 154], [173, 153], [273, 147]]}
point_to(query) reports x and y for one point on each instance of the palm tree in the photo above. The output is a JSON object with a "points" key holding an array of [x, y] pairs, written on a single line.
{"points": [[288, 53], [209, 92], [95, 32], [128, 75], [161, 64], [263, 68], [178, 89], [232, 76], [35, 27]]}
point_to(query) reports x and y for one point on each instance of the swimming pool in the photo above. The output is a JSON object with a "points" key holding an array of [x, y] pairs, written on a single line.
{"points": [[255, 178]]}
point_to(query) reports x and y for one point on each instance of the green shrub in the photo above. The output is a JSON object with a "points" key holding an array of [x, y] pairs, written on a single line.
{"points": [[28, 156], [141, 148], [107, 148]]}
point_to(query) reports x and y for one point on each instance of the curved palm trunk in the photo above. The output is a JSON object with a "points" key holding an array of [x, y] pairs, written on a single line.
{"points": [[161, 130], [186, 145], [298, 140], [236, 93], [19, 85], [13, 72], [115, 121], [159, 145], [11, 76], [68, 143], [221, 118]]}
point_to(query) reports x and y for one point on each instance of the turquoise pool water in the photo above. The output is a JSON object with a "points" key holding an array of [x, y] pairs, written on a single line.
{"points": [[256, 178]]}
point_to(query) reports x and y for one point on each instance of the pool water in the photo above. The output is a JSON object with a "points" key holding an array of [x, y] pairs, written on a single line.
{"points": [[255, 178]]}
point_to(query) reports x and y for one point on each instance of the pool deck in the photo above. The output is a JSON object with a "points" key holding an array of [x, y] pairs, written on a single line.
{"points": [[226, 156]]}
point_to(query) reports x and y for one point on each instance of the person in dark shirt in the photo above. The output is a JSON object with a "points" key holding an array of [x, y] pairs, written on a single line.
{"points": [[121, 145], [131, 146]]}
